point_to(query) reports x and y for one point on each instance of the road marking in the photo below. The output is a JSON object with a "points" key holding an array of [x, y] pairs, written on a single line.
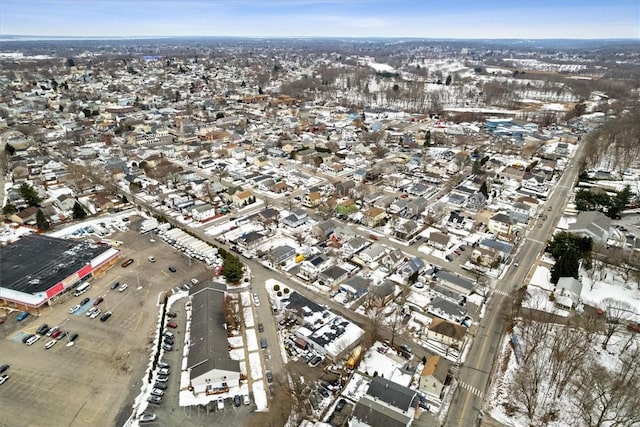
{"points": [[135, 328], [503, 293], [482, 351], [471, 389], [536, 241], [90, 421]]}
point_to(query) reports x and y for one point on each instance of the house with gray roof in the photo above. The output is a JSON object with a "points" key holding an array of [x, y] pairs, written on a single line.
{"points": [[296, 218], [356, 286], [592, 224], [355, 245], [413, 266], [458, 284], [332, 275], [417, 206], [447, 310], [210, 367], [568, 291], [323, 229], [385, 404], [281, 254], [372, 253]]}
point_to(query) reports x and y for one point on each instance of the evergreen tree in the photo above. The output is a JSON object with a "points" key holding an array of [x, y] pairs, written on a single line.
{"points": [[78, 211], [448, 81], [9, 209], [476, 169], [41, 220], [29, 195], [427, 138], [10, 149], [232, 268], [484, 189]]}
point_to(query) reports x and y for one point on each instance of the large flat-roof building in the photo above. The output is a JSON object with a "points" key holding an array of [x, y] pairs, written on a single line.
{"points": [[38, 269], [211, 369]]}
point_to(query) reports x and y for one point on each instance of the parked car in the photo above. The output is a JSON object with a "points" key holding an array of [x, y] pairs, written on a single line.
{"points": [[84, 301], [220, 403], [373, 237], [61, 335], [168, 341], [75, 308], [157, 392], [73, 337], [3, 368], [57, 333], [33, 339], [172, 269], [163, 371], [323, 391], [260, 327], [172, 325], [340, 404], [194, 281], [123, 287], [105, 316], [127, 263], [269, 377], [52, 331], [168, 334], [42, 329], [237, 401], [159, 385], [115, 285], [26, 338], [91, 311], [246, 399], [172, 314], [256, 299], [167, 347], [98, 301], [154, 399], [147, 418], [162, 379], [162, 364], [50, 344], [22, 316], [4, 378], [95, 314], [151, 259], [315, 361]]}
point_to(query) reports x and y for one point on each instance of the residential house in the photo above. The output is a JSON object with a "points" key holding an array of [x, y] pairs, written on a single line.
{"points": [[251, 240], [520, 212], [417, 206], [202, 212], [65, 202], [279, 187], [413, 266], [567, 292], [344, 187], [311, 200], [398, 206], [384, 202], [281, 254], [25, 216], [447, 310], [458, 284], [309, 269], [243, 198], [381, 295], [297, 218], [372, 254], [434, 376], [393, 259], [485, 257], [438, 240], [355, 245], [500, 224], [355, 286], [324, 229], [477, 201], [406, 230], [331, 275], [447, 333], [374, 217], [592, 224], [385, 404], [418, 190]]}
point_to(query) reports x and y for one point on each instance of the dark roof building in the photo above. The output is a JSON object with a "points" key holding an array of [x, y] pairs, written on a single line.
{"points": [[37, 268], [386, 404], [211, 369]]}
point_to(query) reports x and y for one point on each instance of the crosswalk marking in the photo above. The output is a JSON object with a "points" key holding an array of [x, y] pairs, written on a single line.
{"points": [[471, 389], [503, 293]]}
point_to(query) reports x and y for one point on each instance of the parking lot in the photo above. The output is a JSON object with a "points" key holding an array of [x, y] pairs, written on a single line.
{"points": [[95, 381]]}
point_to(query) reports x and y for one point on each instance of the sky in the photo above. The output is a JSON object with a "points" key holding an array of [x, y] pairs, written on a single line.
{"points": [[462, 19]]}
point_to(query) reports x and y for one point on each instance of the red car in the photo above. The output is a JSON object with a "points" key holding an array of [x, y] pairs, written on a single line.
{"points": [[373, 237], [56, 333], [172, 325], [98, 301]]}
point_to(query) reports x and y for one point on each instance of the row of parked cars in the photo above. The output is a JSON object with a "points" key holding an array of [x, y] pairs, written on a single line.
{"points": [[160, 384], [55, 333]]}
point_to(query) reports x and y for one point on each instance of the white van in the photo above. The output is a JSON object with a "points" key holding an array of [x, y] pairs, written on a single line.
{"points": [[82, 289]]}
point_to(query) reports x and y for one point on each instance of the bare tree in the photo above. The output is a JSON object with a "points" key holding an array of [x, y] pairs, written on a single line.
{"points": [[615, 311]]}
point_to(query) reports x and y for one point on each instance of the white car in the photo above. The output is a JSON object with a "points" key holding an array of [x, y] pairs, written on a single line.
{"points": [[157, 392], [194, 281], [74, 308], [50, 344], [123, 287], [33, 339], [96, 313], [256, 300], [91, 311]]}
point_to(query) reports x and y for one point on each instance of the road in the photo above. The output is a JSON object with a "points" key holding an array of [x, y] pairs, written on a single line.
{"points": [[474, 379]]}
